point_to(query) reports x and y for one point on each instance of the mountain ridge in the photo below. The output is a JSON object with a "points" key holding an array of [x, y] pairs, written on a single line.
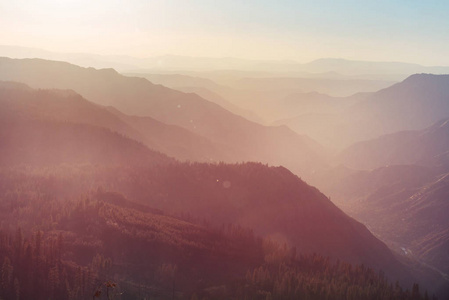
{"points": [[66, 105], [137, 96], [178, 62]]}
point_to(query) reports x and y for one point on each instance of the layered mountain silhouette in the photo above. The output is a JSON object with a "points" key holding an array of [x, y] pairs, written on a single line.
{"points": [[270, 200], [67, 106], [103, 140], [402, 193], [415, 103], [317, 114], [427, 147], [35, 133], [203, 87], [176, 63], [335, 87], [137, 96], [404, 205], [357, 68]]}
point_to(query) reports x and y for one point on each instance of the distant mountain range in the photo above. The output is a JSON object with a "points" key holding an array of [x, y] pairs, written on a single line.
{"points": [[203, 87], [429, 147], [367, 69], [355, 67], [242, 140], [267, 99], [67, 106], [415, 103], [335, 87]]}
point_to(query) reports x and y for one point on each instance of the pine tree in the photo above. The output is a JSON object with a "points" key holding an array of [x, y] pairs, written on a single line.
{"points": [[6, 277]]}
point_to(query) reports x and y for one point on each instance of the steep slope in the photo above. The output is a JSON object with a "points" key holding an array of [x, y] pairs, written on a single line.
{"points": [[128, 251], [174, 140], [272, 201], [47, 142], [425, 147], [415, 103], [315, 114], [137, 96], [239, 102], [177, 81], [67, 106], [406, 206], [203, 87], [404, 200], [54, 127], [220, 100], [21, 101], [102, 236]]}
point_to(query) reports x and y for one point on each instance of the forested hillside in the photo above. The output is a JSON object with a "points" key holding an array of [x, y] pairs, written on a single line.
{"points": [[100, 245]]}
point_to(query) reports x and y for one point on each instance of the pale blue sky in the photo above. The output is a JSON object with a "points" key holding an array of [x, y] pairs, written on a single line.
{"points": [[412, 31]]}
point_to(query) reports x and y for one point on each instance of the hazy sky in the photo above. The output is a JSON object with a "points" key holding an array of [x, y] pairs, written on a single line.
{"points": [[406, 30]]}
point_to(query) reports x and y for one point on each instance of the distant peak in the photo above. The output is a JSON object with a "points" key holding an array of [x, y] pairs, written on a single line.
{"points": [[329, 59], [64, 93], [420, 75], [426, 78], [14, 85], [107, 71]]}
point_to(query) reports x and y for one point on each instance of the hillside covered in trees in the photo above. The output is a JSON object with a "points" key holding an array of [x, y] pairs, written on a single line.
{"points": [[58, 244]]}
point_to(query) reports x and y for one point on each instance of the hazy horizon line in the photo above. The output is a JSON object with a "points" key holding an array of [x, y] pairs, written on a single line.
{"points": [[280, 60]]}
